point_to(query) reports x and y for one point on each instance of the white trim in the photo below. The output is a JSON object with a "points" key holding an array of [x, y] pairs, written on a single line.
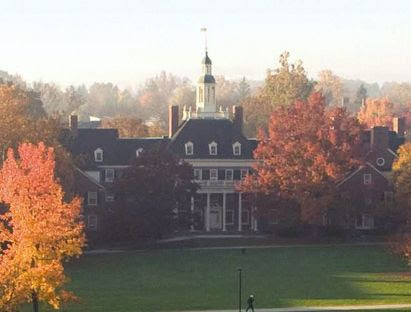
{"points": [[109, 197], [111, 179], [367, 178], [89, 197], [372, 166], [236, 163], [392, 152], [90, 178], [235, 145], [380, 161], [216, 174], [364, 226], [114, 166], [200, 175], [98, 151], [232, 174], [210, 148], [358, 170], [187, 146], [139, 151]]}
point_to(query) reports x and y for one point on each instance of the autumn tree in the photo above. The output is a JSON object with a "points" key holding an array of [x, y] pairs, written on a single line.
{"points": [[38, 230], [153, 196], [402, 184], [330, 86], [306, 150], [376, 112], [127, 126], [283, 86], [24, 120]]}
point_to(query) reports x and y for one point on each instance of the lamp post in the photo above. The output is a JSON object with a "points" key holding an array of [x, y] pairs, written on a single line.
{"points": [[239, 289]]}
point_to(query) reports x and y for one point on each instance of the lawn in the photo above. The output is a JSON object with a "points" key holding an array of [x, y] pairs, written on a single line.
{"points": [[183, 279]]}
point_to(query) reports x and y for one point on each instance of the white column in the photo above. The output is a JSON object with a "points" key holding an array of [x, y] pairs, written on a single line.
{"points": [[207, 216], [224, 211], [255, 220], [240, 210], [192, 214]]}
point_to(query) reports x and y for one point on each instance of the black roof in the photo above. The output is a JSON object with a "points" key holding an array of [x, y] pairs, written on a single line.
{"points": [[202, 132], [206, 79], [206, 59], [394, 141]]}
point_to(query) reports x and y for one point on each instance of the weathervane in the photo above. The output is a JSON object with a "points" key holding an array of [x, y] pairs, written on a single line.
{"points": [[204, 30]]}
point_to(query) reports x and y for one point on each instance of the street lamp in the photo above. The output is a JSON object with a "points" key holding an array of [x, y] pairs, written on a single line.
{"points": [[239, 289]]}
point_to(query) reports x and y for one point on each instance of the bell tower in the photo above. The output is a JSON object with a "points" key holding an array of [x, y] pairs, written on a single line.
{"points": [[205, 96]]}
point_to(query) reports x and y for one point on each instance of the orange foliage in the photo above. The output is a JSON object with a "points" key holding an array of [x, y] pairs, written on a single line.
{"points": [[376, 112], [38, 230], [307, 149]]}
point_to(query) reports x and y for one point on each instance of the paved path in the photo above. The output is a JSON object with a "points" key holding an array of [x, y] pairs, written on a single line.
{"points": [[402, 307]]}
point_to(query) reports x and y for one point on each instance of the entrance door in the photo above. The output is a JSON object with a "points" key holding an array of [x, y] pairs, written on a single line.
{"points": [[215, 218]]}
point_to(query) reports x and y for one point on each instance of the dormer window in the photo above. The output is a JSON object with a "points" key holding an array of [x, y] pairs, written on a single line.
{"points": [[212, 148], [189, 148], [237, 148], [98, 155], [139, 151]]}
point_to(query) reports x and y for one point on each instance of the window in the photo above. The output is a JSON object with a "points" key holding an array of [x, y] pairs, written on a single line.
{"points": [[92, 198], [92, 222], [198, 174], [229, 174], [212, 148], [326, 219], [98, 155], [367, 178], [189, 148], [273, 217], [139, 151], [365, 222], [109, 197], [380, 161], [388, 197], [213, 174], [229, 217], [237, 148], [245, 217], [109, 175], [244, 173]]}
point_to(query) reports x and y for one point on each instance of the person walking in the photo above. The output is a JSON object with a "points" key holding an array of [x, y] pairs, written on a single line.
{"points": [[250, 303]]}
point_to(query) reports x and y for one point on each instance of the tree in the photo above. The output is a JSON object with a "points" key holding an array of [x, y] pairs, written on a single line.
{"points": [[306, 150], [376, 112], [330, 86], [153, 196], [402, 184], [243, 89], [38, 230], [361, 95], [283, 86], [127, 126]]}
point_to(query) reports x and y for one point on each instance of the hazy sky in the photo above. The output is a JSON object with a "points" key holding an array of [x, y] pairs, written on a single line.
{"points": [[126, 41]]}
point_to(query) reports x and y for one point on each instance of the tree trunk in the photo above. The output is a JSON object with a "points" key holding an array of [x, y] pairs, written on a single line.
{"points": [[35, 301]]}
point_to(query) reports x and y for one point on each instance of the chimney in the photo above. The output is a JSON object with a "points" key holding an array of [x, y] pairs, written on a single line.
{"points": [[238, 117], [172, 120], [379, 138], [398, 125], [73, 123]]}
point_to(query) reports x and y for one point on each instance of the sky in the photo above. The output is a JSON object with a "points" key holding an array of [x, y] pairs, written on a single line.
{"points": [[128, 41]]}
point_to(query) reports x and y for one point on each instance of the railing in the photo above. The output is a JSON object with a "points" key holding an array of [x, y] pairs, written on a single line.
{"points": [[217, 183]]}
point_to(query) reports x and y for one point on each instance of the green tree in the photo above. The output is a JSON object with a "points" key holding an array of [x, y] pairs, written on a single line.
{"points": [[283, 86]]}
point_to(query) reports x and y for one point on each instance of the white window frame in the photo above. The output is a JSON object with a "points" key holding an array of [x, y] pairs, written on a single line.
{"points": [[109, 197], [245, 221], [92, 198], [92, 222], [227, 220], [109, 178], [212, 148], [199, 175], [189, 147], [227, 172], [380, 161], [214, 177], [367, 178], [98, 155], [235, 151], [243, 173], [139, 151]]}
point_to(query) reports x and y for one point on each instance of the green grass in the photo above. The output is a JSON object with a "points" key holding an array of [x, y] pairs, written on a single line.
{"points": [[178, 279]]}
